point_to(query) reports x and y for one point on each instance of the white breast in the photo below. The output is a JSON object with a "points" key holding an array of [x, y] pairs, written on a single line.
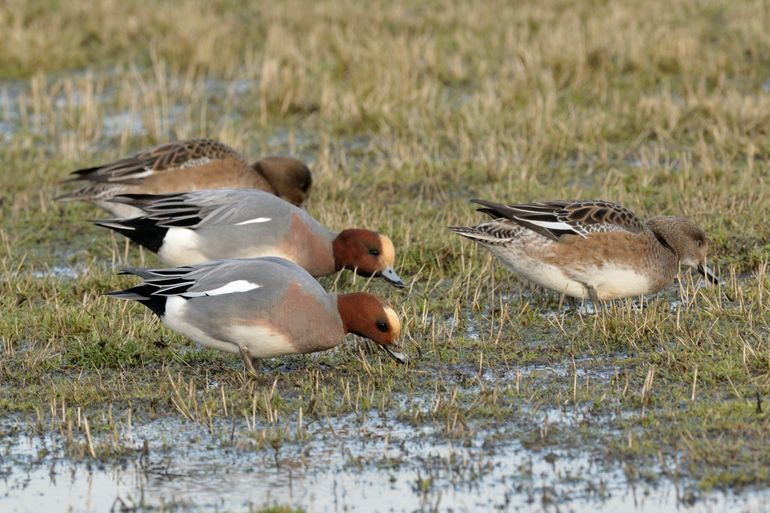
{"points": [[539, 272], [612, 282], [174, 318], [609, 281], [261, 341]]}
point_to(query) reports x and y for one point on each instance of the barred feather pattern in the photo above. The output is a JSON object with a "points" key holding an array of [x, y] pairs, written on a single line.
{"points": [[181, 154], [554, 219], [496, 233]]}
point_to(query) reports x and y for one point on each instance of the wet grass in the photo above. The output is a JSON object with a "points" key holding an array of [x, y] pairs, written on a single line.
{"points": [[404, 112]]}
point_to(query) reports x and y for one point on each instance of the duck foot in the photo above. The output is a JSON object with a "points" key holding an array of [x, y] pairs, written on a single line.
{"points": [[248, 362]]}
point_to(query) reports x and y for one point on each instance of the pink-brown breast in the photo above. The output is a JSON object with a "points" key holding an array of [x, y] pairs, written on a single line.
{"points": [[309, 246], [309, 322]]}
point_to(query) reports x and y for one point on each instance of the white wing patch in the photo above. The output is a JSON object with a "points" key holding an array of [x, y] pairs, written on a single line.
{"points": [[255, 220], [552, 225], [195, 162], [133, 176], [229, 288]]}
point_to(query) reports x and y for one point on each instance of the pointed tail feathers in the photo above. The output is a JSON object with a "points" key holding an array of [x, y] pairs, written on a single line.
{"points": [[483, 233], [144, 294], [141, 230]]}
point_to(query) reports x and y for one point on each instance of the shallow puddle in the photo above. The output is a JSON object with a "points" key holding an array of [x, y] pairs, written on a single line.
{"points": [[347, 465], [57, 271]]}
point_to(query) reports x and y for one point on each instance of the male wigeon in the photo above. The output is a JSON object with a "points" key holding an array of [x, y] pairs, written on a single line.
{"points": [[189, 165], [260, 308], [590, 249], [195, 227]]}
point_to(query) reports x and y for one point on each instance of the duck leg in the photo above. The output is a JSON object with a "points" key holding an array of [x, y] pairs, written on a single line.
{"points": [[248, 361], [598, 303], [571, 302]]}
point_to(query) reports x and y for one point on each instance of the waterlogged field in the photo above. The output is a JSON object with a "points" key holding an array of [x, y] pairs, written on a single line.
{"points": [[512, 402]]}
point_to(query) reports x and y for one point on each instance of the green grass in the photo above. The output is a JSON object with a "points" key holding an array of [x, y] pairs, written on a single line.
{"points": [[404, 112]]}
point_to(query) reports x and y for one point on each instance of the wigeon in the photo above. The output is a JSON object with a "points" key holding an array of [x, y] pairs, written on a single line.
{"points": [[590, 249], [260, 308], [195, 227], [189, 165]]}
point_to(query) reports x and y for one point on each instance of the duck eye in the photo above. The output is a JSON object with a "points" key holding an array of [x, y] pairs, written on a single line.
{"points": [[700, 242], [374, 251], [382, 326]]}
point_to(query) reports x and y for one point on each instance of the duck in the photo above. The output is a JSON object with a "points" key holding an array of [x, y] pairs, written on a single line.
{"points": [[188, 165], [194, 227], [590, 249], [261, 308]]}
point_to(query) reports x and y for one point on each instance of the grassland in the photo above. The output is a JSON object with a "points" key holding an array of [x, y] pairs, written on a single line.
{"points": [[405, 111]]}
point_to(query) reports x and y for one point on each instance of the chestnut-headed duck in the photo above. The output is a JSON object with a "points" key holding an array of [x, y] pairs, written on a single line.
{"points": [[261, 308], [194, 227]]}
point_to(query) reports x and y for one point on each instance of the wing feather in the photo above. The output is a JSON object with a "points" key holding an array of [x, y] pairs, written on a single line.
{"points": [[180, 154], [555, 219]]}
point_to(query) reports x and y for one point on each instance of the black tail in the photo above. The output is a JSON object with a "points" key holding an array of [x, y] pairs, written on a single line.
{"points": [[141, 230], [144, 294]]}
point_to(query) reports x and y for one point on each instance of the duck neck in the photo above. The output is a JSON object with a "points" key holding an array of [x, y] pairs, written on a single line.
{"points": [[349, 307], [664, 243], [658, 227], [311, 244], [664, 256], [260, 179], [341, 252]]}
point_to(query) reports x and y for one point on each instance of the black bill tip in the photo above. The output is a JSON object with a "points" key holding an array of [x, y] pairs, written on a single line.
{"points": [[391, 277], [708, 274], [396, 355]]}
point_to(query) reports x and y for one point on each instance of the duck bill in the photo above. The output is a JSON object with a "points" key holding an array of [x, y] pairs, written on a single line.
{"points": [[396, 355], [708, 274], [390, 275]]}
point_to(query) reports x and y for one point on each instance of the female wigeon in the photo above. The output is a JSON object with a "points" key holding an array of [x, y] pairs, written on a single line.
{"points": [[590, 249], [189, 165], [260, 308], [195, 227]]}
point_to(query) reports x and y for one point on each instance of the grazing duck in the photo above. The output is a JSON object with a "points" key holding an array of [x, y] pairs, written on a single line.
{"points": [[189, 165], [260, 308], [194, 227], [590, 249]]}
